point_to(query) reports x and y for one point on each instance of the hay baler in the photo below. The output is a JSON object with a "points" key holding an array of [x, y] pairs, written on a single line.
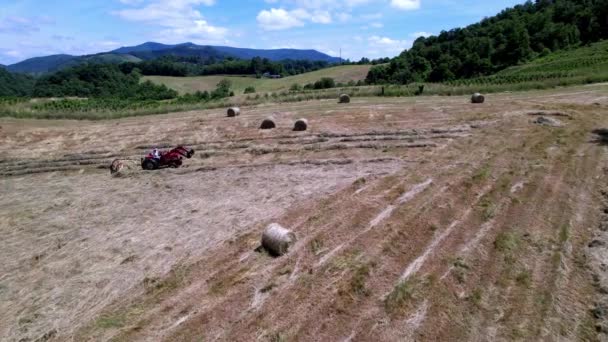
{"points": [[172, 158]]}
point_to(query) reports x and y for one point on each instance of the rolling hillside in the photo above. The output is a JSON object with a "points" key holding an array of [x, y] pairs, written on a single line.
{"points": [[585, 60], [40, 65], [151, 50], [588, 64], [184, 85]]}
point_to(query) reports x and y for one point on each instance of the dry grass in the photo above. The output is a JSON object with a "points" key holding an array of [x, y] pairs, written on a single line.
{"points": [[341, 74], [170, 254]]}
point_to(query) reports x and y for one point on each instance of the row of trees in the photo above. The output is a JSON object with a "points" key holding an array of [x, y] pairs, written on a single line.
{"points": [[108, 81], [192, 66], [99, 81], [512, 37]]}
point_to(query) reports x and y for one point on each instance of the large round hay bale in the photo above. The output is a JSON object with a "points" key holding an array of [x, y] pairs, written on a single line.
{"points": [[277, 240], [118, 168], [300, 125], [268, 123], [234, 111], [344, 98], [478, 98]]}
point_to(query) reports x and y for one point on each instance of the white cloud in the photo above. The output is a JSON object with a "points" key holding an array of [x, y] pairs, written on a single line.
{"points": [[321, 17], [179, 18], [107, 44], [329, 4], [13, 53], [388, 45], [371, 16], [343, 17], [131, 2], [19, 25], [417, 35], [406, 5], [280, 19], [319, 11]]}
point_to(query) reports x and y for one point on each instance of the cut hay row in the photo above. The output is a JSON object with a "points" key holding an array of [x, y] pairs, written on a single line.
{"points": [[311, 143], [56, 164], [41, 170], [322, 135], [81, 159], [164, 144], [311, 162]]}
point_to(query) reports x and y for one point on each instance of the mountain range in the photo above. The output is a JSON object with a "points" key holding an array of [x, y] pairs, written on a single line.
{"points": [[152, 50]]}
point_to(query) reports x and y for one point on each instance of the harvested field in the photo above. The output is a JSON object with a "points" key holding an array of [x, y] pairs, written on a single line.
{"points": [[425, 218]]}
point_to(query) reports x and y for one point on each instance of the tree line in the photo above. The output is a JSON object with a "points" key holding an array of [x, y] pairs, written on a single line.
{"points": [[99, 81], [512, 37], [197, 66]]}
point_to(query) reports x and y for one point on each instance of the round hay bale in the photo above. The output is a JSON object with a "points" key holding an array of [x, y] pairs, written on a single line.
{"points": [[277, 240], [344, 98], [234, 111], [122, 167], [300, 125], [118, 168], [268, 123], [477, 98]]}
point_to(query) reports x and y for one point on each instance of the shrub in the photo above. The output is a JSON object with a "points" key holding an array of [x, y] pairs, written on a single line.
{"points": [[325, 83]]}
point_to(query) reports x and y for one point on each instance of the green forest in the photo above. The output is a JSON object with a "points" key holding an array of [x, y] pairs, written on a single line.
{"points": [[512, 37], [99, 81], [15, 84]]}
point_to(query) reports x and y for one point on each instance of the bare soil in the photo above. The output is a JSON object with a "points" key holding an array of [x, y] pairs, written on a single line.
{"points": [[423, 218]]}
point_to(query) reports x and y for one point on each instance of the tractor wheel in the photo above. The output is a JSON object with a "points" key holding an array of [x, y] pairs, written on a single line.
{"points": [[190, 154], [149, 164]]}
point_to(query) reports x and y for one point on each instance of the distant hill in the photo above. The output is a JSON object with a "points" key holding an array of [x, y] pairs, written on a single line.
{"points": [[278, 54], [152, 50], [40, 65], [43, 65]]}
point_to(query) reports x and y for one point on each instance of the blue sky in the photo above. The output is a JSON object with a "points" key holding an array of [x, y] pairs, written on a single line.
{"points": [[369, 28]]}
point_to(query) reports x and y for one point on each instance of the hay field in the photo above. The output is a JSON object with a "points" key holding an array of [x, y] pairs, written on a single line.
{"points": [[184, 85], [424, 218]]}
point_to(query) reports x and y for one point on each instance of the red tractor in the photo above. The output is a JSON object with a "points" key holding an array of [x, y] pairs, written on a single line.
{"points": [[172, 158]]}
